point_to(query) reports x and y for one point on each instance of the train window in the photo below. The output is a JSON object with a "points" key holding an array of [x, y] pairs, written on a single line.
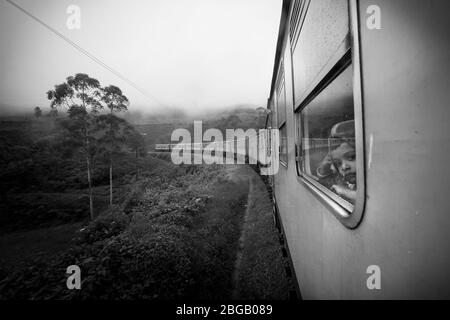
{"points": [[318, 29], [283, 145], [273, 120], [327, 148], [281, 115], [281, 98]]}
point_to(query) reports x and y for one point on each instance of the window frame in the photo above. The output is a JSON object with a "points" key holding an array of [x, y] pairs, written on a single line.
{"points": [[347, 54], [281, 81], [283, 163]]}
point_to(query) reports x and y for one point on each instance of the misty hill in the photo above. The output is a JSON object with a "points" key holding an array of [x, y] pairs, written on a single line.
{"points": [[238, 117]]}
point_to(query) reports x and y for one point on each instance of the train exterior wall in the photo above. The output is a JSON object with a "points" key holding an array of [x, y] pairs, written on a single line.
{"points": [[405, 229]]}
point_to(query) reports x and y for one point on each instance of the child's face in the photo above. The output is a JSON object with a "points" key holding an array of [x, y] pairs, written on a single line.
{"points": [[344, 159]]}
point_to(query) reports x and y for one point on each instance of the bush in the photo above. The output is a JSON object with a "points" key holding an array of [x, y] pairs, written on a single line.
{"points": [[25, 210], [159, 266], [103, 227], [159, 244]]}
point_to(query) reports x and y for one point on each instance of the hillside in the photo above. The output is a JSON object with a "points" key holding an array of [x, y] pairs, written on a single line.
{"points": [[233, 118]]}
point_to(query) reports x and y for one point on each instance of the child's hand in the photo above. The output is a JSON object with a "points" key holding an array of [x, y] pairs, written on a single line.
{"points": [[344, 192], [326, 167], [338, 189]]}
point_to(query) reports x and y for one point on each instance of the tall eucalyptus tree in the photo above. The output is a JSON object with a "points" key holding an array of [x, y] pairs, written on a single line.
{"points": [[81, 95], [115, 101]]}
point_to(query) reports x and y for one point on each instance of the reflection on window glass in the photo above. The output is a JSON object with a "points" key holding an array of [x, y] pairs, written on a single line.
{"points": [[283, 145], [328, 138], [281, 104]]}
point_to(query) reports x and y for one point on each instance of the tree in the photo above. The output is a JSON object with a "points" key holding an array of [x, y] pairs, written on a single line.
{"points": [[136, 141], [53, 113], [37, 112], [233, 121], [115, 101], [60, 96], [81, 95]]}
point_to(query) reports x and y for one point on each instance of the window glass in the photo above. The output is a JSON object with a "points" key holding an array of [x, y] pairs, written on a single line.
{"points": [[269, 140], [273, 115], [281, 114], [281, 104], [283, 145], [327, 132], [281, 97], [325, 27]]}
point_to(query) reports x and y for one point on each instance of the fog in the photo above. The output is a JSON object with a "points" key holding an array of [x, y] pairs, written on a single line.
{"points": [[186, 55]]}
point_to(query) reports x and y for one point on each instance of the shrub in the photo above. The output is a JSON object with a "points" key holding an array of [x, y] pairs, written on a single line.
{"points": [[158, 266], [103, 227]]}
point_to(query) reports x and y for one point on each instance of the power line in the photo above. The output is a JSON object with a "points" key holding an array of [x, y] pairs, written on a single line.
{"points": [[86, 53]]}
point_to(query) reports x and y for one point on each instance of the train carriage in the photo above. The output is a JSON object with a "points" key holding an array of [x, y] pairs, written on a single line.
{"points": [[360, 94]]}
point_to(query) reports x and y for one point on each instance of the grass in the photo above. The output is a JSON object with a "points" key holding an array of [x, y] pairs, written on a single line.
{"points": [[176, 237], [261, 274], [18, 247]]}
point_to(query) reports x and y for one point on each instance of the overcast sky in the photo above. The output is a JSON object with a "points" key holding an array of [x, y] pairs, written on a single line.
{"points": [[192, 54]]}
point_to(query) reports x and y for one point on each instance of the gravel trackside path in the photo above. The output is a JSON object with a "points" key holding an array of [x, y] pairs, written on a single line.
{"points": [[260, 271]]}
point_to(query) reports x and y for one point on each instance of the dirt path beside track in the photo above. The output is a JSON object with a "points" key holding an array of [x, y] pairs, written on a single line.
{"points": [[260, 269]]}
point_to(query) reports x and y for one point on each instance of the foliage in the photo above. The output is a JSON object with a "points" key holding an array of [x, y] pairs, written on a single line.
{"points": [[114, 99], [105, 226], [43, 177], [172, 244], [89, 132], [37, 112], [59, 96], [53, 113]]}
